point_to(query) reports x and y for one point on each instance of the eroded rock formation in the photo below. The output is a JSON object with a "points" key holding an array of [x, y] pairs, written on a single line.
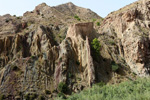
{"points": [[32, 63]]}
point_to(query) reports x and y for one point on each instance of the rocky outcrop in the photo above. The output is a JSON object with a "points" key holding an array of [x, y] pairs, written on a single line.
{"points": [[36, 55], [128, 29], [39, 51], [80, 34], [35, 64]]}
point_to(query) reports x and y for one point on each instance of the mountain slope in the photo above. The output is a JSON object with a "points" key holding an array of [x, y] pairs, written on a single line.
{"points": [[52, 51]]}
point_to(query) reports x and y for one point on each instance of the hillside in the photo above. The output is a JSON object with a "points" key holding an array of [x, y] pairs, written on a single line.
{"points": [[56, 51], [44, 48]]}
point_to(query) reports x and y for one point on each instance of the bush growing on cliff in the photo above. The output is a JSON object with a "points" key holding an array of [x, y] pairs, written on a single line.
{"points": [[96, 48], [96, 45], [62, 87], [77, 17], [98, 23]]}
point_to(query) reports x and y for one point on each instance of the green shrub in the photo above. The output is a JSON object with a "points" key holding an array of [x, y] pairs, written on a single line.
{"points": [[62, 87], [77, 17], [96, 48], [114, 66], [98, 23], [96, 45]]}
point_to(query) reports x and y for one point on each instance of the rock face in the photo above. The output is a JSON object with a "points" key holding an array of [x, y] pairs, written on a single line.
{"points": [[80, 34], [32, 63], [48, 47], [129, 30], [37, 53]]}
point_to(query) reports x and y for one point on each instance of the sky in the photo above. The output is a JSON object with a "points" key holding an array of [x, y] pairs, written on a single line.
{"points": [[101, 7]]}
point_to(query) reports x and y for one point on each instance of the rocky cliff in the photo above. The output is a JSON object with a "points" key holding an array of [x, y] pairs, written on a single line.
{"points": [[44, 48], [32, 63], [128, 29], [52, 46]]}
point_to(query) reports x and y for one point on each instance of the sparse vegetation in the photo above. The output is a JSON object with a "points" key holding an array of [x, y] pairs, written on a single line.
{"points": [[129, 90], [77, 17], [93, 20]]}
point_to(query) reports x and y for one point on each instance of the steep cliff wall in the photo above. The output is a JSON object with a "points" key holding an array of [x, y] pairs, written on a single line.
{"points": [[31, 63], [128, 29]]}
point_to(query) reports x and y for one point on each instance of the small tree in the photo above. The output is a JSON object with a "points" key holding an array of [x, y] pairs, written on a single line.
{"points": [[96, 45], [96, 48]]}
